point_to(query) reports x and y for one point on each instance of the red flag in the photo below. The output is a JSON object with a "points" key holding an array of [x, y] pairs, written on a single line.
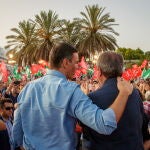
{"points": [[135, 66], [136, 72], [77, 73], [127, 74], [35, 68], [83, 64], [96, 73], [144, 63], [4, 72]]}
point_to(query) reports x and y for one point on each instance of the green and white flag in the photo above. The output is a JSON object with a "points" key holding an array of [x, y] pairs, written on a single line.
{"points": [[146, 74]]}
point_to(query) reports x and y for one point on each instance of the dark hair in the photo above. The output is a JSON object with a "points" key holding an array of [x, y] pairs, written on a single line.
{"points": [[59, 52], [16, 82], [147, 81], [4, 100], [110, 64]]}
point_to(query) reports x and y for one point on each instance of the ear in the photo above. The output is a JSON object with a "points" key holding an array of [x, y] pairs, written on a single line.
{"points": [[65, 63], [99, 72]]}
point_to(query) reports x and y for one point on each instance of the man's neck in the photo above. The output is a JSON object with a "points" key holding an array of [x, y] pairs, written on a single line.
{"points": [[102, 79], [62, 70]]}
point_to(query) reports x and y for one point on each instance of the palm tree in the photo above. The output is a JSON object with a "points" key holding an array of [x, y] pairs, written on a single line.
{"points": [[22, 43], [70, 32], [47, 29], [97, 30]]}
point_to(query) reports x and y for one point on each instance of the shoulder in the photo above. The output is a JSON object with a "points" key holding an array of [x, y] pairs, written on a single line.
{"points": [[72, 84], [99, 91], [135, 93], [69, 86]]}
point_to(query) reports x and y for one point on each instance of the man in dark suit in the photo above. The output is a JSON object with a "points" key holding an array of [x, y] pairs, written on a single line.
{"points": [[4, 137], [128, 135]]}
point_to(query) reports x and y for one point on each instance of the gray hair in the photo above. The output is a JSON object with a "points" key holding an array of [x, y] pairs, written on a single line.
{"points": [[110, 64]]}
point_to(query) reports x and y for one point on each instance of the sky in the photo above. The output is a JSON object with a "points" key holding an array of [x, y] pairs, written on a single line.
{"points": [[133, 17]]}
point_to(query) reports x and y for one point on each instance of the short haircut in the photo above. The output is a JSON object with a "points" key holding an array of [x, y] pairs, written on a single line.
{"points": [[3, 101], [59, 52], [110, 64]]}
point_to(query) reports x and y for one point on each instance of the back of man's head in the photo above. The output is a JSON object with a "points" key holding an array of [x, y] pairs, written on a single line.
{"points": [[59, 52], [110, 64]]}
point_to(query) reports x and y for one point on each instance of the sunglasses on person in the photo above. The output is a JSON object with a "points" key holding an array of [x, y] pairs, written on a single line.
{"points": [[9, 108]]}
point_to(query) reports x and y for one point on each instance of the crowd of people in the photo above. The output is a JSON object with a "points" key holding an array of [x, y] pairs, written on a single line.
{"points": [[43, 114]]}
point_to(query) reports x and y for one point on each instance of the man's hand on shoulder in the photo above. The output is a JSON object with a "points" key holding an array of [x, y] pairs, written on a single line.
{"points": [[85, 87], [125, 87]]}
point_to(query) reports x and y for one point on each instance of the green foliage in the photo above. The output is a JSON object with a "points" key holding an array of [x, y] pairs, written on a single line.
{"points": [[97, 28], [33, 39], [131, 54], [23, 42], [70, 32], [147, 55]]}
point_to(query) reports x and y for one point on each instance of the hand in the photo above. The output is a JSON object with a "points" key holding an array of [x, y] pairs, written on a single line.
{"points": [[16, 105], [85, 87], [124, 86]]}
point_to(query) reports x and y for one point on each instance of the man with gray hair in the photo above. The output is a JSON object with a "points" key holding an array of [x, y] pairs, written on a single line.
{"points": [[48, 107], [128, 135]]}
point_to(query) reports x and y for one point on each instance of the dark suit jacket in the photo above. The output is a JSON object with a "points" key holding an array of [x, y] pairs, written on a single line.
{"points": [[128, 135], [4, 139]]}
